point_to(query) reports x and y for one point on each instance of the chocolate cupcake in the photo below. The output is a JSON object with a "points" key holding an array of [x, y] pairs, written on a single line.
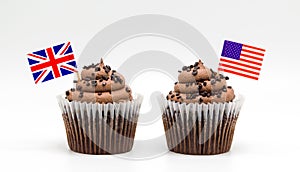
{"points": [[199, 116], [100, 113]]}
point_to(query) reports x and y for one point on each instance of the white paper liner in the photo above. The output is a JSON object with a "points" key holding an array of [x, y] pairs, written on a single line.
{"points": [[200, 128], [95, 128]]}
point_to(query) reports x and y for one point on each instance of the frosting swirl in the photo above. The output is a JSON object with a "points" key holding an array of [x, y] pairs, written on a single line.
{"points": [[100, 84], [198, 84]]}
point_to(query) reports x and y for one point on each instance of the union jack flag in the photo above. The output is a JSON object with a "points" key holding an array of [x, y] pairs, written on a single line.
{"points": [[52, 62]]}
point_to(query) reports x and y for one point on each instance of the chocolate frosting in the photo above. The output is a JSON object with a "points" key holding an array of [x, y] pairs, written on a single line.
{"points": [[100, 84], [199, 84]]}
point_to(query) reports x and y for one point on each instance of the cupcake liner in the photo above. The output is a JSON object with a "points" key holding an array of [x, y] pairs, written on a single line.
{"points": [[94, 128], [200, 129]]}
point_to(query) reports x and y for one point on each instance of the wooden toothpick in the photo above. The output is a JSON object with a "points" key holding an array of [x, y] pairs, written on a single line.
{"points": [[78, 76]]}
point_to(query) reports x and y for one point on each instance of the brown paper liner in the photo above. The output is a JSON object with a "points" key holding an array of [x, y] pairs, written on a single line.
{"points": [[111, 135], [199, 136]]}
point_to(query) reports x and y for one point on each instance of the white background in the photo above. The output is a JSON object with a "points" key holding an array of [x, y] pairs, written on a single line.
{"points": [[31, 127]]}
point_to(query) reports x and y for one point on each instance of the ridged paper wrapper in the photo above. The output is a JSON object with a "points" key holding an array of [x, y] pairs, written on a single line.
{"points": [[94, 128], [200, 129]]}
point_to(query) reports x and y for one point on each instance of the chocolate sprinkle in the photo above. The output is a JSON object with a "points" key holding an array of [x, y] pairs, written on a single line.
{"points": [[172, 96], [229, 87], [72, 89], [67, 93], [108, 67], [226, 77], [224, 89], [204, 94], [127, 89], [200, 100], [97, 69], [75, 81], [199, 87], [105, 78], [99, 93], [170, 92], [103, 84], [204, 84], [194, 72], [213, 82], [94, 83]]}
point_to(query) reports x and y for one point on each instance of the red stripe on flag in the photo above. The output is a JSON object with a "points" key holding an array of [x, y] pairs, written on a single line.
{"points": [[248, 46], [237, 68], [252, 52], [249, 61], [65, 49], [32, 55], [236, 73], [53, 63], [40, 76], [63, 66], [240, 64], [252, 57]]}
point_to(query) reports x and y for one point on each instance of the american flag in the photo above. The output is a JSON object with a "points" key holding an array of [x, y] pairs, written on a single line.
{"points": [[52, 62], [240, 59]]}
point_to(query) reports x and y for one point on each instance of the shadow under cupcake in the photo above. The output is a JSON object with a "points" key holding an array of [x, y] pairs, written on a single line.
{"points": [[200, 115], [100, 114]]}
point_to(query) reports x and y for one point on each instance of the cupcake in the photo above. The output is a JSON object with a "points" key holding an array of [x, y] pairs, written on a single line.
{"points": [[100, 114], [200, 114]]}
